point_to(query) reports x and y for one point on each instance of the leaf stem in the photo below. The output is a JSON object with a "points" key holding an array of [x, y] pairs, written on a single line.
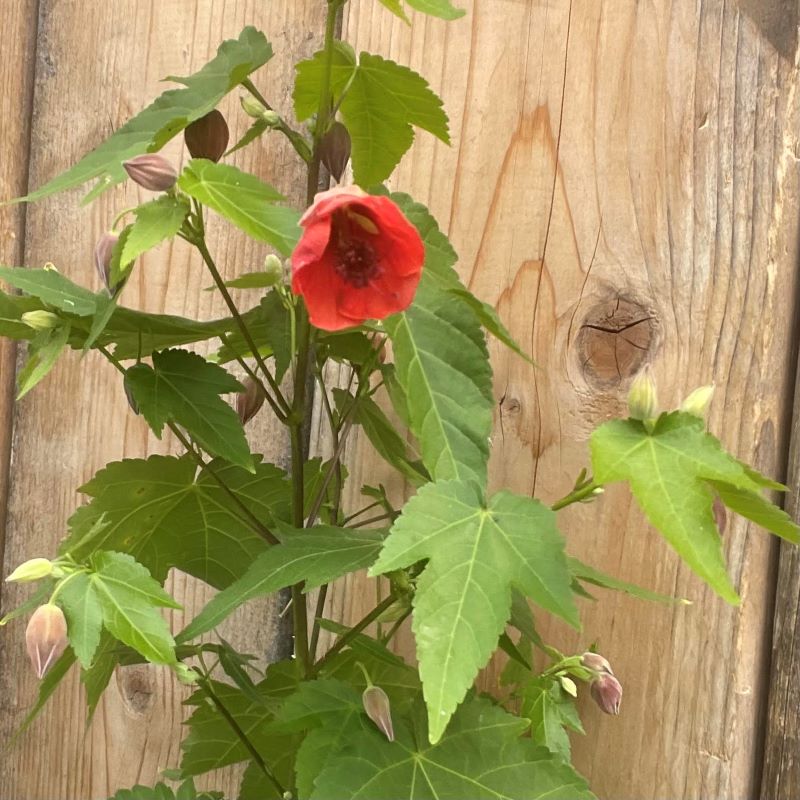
{"points": [[576, 495]]}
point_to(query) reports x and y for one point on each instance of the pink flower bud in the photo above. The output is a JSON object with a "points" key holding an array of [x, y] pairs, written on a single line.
{"points": [[596, 663], [208, 136], [607, 693], [151, 171], [249, 402], [103, 251], [376, 704], [46, 637]]}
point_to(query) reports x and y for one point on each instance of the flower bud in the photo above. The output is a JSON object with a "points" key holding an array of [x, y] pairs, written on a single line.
{"points": [[376, 704], [642, 401], [698, 401], [103, 251], [596, 663], [33, 570], [126, 386], [273, 266], [334, 150], [46, 637], [151, 171], [607, 693], [208, 136], [720, 515], [40, 320], [249, 402], [252, 107]]}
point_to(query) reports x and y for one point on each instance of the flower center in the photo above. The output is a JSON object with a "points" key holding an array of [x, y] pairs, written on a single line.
{"points": [[356, 260]]}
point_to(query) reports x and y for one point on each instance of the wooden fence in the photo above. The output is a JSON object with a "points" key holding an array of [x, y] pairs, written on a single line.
{"points": [[623, 187]]}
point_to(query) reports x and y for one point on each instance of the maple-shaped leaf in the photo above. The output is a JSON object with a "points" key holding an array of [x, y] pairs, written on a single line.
{"points": [[476, 553], [551, 712], [183, 387], [166, 514], [674, 473]]}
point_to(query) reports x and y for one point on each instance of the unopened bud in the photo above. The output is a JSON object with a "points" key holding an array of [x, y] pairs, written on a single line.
{"points": [[40, 320], [208, 136], [46, 638], [642, 401], [376, 704], [126, 385], [249, 402], [151, 171], [698, 401], [33, 570], [185, 675], [396, 610], [334, 150], [720, 515], [273, 266], [596, 663], [103, 251], [607, 693], [252, 107]]}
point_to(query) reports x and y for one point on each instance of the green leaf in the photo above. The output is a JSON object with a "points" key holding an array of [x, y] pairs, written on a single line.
{"points": [[757, 508], [250, 280], [316, 555], [29, 605], [443, 9], [551, 710], [258, 128], [106, 306], [586, 574], [482, 757], [380, 101], [167, 116], [244, 200], [156, 221], [673, 472], [382, 434], [51, 287], [476, 554], [129, 599], [12, 307], [186, 791], [164, 514], [184, 387], [43, 352], [97, 677], [396, 8], [80, 604]]}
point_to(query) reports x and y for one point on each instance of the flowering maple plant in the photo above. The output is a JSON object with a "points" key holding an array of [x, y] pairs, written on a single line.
{"points": [[365, 278]]}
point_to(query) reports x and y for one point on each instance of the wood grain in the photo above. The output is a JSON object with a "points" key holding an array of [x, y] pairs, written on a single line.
{"points": [[622, 186], [95, 66]]}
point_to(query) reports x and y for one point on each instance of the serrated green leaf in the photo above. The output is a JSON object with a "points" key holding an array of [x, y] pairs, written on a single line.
{"points": [[156, 221], [475, 553], [96, 678], [482, 757], [583, 572], [164, 514], [43, 352], [84, 615], [310, 74], [184, 387], [52, 288], [551, 710], [443, 9], [757, 508], [316, 555], [186, 791], [258, 128], [396, 8], [671, 472], [167, 116], [244, 200]]}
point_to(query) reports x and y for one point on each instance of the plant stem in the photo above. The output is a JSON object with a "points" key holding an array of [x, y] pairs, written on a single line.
{"points": [[205, 685], [319, 611], [576, 495], [380, 518], [387, 637], [346, 638]]}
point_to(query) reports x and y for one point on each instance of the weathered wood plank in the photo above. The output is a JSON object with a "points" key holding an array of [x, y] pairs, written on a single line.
{"points": [[623, 188], [96, 65]]}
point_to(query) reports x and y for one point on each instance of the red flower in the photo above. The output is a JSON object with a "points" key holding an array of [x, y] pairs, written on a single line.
{"points": [[359, 258]]}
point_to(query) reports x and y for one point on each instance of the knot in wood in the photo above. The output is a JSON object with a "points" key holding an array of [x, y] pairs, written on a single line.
{"points": [[617, 338], [137, 688]]}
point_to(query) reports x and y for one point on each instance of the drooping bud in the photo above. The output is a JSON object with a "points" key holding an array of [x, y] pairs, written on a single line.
{"points": [[596, 663], [607, 693], [252, 107], [126, 385], [151, 171], [32, 570], [720, 515], [376, 704], [642, 401], [273, 266], [249, 402], [698, 401], [334, 150], [40, 320], [208, 136], [46, 637], [103, 251]]}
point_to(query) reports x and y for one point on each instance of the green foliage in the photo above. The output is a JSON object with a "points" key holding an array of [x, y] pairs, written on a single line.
{"points": [[380, 101], [551, 712], [674, 472], [167, 116], [317, 555], [586, 574], [43, 352], [156, 221], [244, 200], [51, 287], [443, 9], [186, 791], [476, 553], [185, 388]]}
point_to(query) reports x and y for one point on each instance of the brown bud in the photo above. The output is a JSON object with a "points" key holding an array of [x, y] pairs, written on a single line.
{"points": [[208, 136], [334, 150], [249, 402], [134, 406], [720, 514], [376, 704], [151, 171], [607, 693], [103, 251], [46, 637]]}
